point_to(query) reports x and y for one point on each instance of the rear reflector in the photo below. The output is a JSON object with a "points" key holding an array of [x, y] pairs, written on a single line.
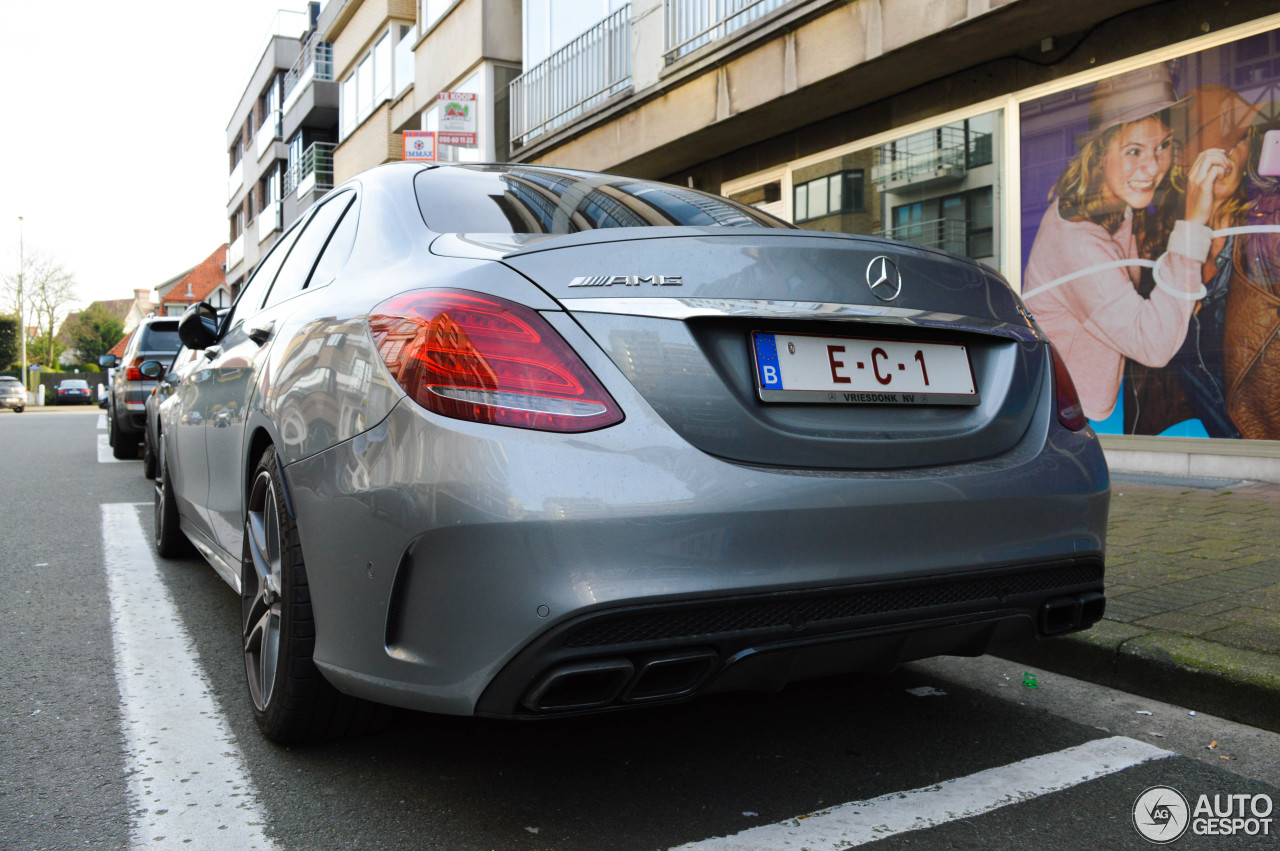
{"points": [[488, 360], [1070, 411]]}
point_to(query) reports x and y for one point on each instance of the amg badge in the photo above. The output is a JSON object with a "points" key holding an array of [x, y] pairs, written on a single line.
{"points": [[628, 281]]}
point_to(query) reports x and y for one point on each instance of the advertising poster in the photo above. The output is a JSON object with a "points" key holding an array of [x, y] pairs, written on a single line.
{"points": [[1151, 241], [457, 118]]}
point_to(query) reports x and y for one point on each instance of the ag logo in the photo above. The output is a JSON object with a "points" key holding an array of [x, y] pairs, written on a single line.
{"points": [[1161, 814]]}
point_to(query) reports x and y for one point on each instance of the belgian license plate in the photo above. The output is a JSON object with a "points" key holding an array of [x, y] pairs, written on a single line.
{"points": [[853, 371]]}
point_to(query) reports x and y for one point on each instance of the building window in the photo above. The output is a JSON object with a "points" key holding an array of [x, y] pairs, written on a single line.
{"points": [[458, 153], [372, 82], [961, 223], [833, 194]]}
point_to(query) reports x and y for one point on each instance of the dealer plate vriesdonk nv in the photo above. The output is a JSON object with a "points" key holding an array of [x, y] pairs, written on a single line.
{"points": [[847, 370]]}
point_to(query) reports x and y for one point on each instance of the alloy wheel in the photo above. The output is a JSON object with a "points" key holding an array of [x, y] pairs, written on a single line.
{"points": [[261, 585]]}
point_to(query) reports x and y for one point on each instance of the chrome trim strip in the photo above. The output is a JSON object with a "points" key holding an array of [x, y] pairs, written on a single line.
{"points": [[689, 308]]}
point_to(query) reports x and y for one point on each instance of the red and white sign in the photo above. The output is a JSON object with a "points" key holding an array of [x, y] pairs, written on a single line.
{"points": [[420, 146], [456, 118]]}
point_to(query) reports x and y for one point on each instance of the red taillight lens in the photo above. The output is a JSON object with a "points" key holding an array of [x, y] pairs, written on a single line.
{"points": [[1070, 411], [133, 373], [488, 360]]}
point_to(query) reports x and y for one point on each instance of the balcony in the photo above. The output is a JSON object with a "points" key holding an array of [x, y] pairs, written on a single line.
{"points": [[235, 252], [312, 172], [268, 133], [269, 220], [947, 234], [693, 23], [314, 63], [923, 160], [236, 180], [575, 79]]}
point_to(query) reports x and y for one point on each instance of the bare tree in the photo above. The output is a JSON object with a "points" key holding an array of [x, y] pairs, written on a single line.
{"points": [[47, 289]]}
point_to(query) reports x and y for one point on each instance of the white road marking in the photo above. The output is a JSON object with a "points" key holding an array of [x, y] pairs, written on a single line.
{"points": [[859, 822], [104, 452], [102, 422], [187, 776]]}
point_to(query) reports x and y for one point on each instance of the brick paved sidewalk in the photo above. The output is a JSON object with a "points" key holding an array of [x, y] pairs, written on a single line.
{"points": [[1193, 599], [1201, 562]]}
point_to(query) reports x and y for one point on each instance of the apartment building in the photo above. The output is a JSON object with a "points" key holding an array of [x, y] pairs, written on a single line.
{"points": [[280, 139], [395, 58], [944, 123]]}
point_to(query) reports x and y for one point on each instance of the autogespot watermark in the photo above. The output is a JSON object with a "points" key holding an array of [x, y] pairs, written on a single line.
{"points": [[1162, 814]]}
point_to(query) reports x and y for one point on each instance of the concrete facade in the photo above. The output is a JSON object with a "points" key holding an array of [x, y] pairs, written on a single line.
{"points": [[812, 88], [284, 127]]}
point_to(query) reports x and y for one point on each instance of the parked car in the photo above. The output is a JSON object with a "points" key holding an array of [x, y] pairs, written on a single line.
{"points": [[12, 394], [73, 391], [518, 442], [155, 338], [165, 378]]}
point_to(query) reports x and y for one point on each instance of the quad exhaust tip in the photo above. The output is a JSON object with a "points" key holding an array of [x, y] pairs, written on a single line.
{"points": [[599, 683], [1065, 614]]}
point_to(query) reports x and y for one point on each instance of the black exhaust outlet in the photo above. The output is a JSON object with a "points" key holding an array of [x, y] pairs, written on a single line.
{"points": [[584, 685], [667, 677], [1092, 606], [1059, 615]]}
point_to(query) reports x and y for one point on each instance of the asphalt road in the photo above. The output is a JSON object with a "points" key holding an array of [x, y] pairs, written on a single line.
{"points": [[79, 742]]}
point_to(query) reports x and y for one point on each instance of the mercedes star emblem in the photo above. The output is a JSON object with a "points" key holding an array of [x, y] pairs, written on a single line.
{"points": [[884, 279]]}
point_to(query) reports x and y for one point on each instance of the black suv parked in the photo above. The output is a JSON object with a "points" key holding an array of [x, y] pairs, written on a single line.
{"points": [[155, 339]]}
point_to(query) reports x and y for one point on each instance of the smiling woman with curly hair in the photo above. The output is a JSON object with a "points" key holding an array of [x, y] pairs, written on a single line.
{"points": [[1082, 274]]}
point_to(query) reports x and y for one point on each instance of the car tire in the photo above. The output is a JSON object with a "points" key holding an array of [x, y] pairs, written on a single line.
{"points": [[123, 448], [19, 409], [148, 458], [170, 540], [292, 701]]}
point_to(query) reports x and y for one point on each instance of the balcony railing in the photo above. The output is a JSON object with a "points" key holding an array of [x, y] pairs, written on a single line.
{"points": [[579, 76], [948, 234], [693, 23], [927, 157], [312, 171], [235, 252], [235, 180], [269, 220], [268, 133], [315, 62]]}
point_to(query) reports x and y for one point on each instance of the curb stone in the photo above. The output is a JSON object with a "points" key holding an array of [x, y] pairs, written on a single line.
{"points": [[1241, 685]]}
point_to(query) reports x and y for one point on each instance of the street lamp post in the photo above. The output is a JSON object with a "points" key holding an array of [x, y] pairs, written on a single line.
{"points": [[22, 309]]}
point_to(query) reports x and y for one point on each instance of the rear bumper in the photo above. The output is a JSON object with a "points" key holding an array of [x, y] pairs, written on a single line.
{"points": [[638, 655], [456, 567]]}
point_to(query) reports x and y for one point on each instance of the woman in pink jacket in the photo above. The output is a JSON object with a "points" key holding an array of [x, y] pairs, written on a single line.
{"points": [[1082, 274]]}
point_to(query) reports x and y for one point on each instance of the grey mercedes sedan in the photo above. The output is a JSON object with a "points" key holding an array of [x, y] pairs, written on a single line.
{"points": [[522, 442]]}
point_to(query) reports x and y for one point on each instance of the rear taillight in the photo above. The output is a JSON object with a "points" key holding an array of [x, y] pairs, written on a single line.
{"points": [[488, 360], [133, 373], [1070, 411]]}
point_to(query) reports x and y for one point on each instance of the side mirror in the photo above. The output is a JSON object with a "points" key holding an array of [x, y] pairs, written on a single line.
{"points": [[151, 369], [108, 361], [198, 327]]}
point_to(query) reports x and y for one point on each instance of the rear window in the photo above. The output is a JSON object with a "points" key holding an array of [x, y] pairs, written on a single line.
{"points": [[160, 337], [75, 384], [518, 199], [10, 382]]}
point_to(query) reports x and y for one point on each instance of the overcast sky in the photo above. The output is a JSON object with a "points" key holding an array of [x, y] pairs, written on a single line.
{"points": [[113, 129]]}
